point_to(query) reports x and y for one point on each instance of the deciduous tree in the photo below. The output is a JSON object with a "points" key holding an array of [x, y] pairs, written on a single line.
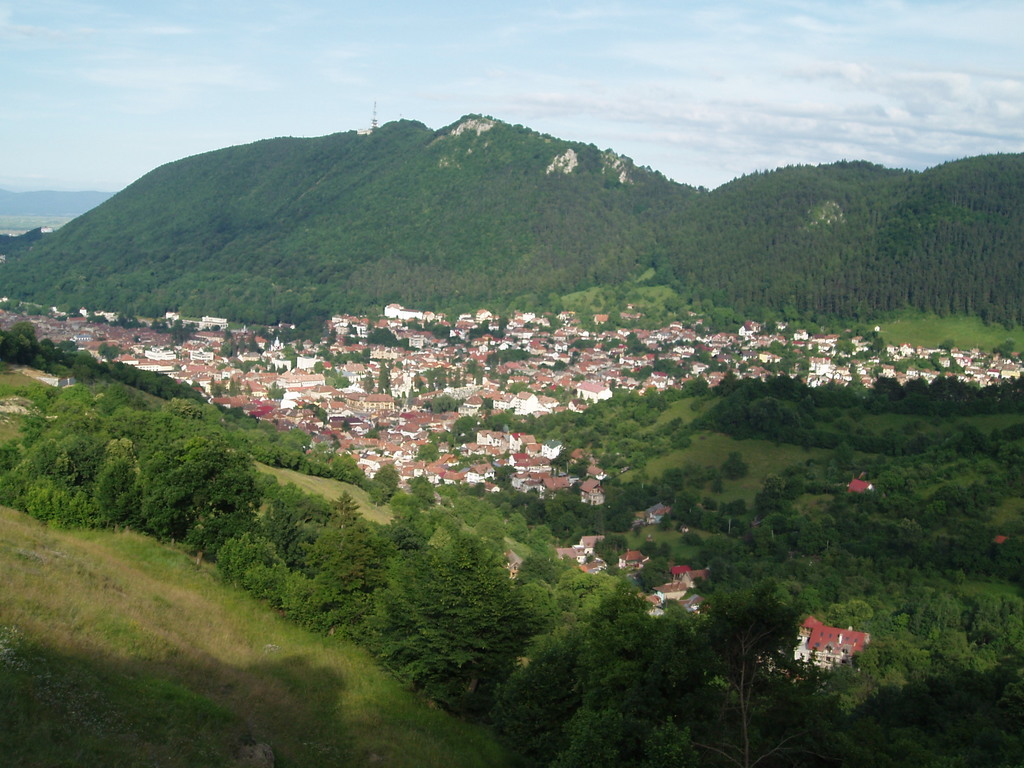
{"points": [[458, 631]]}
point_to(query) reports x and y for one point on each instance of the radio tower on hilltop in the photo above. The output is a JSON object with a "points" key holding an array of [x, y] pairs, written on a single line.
{"points": [[373, 123]]}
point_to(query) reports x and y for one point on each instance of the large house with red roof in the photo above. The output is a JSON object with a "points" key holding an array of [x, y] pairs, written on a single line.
{"points": [[828, 647]]}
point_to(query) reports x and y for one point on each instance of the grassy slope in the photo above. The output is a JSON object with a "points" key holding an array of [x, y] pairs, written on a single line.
{"points": [[14, 378], [650, 300], [115, 650], [965, 332], [8, 428], [330, 490], [712, 449], [682, 410], [682, 553]]}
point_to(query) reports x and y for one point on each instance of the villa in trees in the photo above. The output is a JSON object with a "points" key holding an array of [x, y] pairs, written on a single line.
{"points": [[584, 554], [828, 647]]}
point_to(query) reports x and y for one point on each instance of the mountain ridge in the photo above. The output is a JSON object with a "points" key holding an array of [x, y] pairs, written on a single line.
{"points": [[482, 211]]}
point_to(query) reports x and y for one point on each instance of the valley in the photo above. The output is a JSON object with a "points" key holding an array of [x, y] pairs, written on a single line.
{"points": [[478, 446]]}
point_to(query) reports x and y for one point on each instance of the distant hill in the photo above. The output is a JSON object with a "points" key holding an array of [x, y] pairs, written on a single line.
{"points": [[851, 240], [49, 203], [482, 212]]}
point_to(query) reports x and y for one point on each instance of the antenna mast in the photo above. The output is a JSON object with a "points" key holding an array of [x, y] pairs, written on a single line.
{"points": [[373, 122]]}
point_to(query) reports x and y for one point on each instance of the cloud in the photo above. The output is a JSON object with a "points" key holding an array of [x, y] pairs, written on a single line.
{"points": [[987, 103], [11, 31], [702, 91], [846, 72], [820, 112], [158, 85]]}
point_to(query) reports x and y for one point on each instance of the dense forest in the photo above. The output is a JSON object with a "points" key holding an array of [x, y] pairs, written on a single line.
{"points": [[482, 212], [290, 229], [570, 668], [853, 240]]}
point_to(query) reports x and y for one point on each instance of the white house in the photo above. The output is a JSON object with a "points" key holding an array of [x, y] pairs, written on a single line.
{"points": [[551, 450], [398, 312], [593, 391]]}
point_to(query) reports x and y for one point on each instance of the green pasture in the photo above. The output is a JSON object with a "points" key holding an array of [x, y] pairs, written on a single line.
{"points": [[13, 378], [682, 410], [711, 449], [12, 404], [931, 330], [880, 423], [330, 490], [995, 589], [1009, 513], [649, 300], [682, 553], [9, 428], [989, 422]]}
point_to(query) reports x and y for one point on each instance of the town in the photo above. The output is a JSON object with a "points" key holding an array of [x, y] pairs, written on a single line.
{"points": [[411, 388]]}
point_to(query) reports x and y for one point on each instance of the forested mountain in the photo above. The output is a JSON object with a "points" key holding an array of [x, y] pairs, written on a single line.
{"points": [[482, 212], [288, 228], [852, 239]]}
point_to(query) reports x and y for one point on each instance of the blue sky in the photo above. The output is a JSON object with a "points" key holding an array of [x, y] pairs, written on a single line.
{"points": [[97, 93]]}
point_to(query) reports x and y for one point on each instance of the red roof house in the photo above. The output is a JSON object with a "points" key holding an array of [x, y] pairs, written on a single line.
{"points": [[859, 485], [827, 646]]}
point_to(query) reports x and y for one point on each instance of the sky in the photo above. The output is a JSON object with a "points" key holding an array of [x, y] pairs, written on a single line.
{"points": [[96, 93]]}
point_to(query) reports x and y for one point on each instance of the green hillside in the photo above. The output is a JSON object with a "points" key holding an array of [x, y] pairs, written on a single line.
{"points": [[482, 212], [288, 228], [329, 489], [117, 650], [852, 240]]}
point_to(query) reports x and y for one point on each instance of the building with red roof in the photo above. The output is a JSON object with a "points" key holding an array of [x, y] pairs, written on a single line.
{"points": [[827, 646], [859, 485]]}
